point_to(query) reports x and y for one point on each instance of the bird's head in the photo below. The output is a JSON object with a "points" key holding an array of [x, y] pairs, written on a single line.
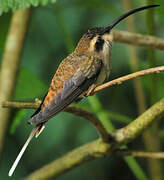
{"points": [[98, 41]]}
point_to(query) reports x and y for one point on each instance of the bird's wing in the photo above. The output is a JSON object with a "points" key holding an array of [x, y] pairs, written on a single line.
{"points": [[73, 77]]}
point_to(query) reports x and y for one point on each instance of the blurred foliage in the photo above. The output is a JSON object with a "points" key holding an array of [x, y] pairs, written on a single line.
{"points": [[26, 81], [16, 121], [6, 5], [54, 31]]}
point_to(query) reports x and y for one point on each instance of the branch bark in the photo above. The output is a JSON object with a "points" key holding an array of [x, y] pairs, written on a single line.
{"points": [[99, 148], [10, 65], [138, 39], [128, 77], [141, 123], [141, 154]]}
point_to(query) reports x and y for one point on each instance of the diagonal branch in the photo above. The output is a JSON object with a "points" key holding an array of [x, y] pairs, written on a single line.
{"points": [[74, 158], [128, 77], [135, 128], [8, 104], [99, 148]]}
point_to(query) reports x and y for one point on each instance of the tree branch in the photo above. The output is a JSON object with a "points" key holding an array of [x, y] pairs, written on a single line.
{"points": [[141, 154], [20, 105], [135, 128], [99, 148], [92, 118], [74, 158], [138, 39], [71, 109], [128, 77]]}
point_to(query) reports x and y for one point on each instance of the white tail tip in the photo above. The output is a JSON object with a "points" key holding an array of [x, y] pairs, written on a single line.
{"points": [[22, 151]]}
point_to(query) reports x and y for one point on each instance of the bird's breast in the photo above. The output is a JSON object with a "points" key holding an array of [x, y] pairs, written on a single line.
{"points": [[105, 70], [102, 76]]}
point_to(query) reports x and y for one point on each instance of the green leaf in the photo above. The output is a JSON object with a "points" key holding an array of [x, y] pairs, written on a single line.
{"points": [[135, 168], [21, 113], [7, 5]]}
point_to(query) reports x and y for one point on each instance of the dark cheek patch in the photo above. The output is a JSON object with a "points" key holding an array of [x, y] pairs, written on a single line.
{"points": [[99, 44]]}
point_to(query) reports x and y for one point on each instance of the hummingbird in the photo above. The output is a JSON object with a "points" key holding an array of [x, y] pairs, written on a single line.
{"points": [[76, 77]]}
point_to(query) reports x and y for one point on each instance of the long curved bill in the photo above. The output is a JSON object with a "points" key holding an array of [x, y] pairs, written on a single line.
{"points": [[116, 21]]}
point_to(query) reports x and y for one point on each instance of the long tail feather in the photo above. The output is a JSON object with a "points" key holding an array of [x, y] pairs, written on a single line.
{"points": [[33, 132]]}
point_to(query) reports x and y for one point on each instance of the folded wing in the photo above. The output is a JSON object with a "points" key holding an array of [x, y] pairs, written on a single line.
{"points": [[67, 85]]}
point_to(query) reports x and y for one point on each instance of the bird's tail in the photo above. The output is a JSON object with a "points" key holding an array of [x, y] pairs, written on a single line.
{"points": [[36, 131]]}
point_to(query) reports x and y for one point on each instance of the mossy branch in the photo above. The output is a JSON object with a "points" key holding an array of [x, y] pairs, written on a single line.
{"points": [[106, 145], [99, 148]]}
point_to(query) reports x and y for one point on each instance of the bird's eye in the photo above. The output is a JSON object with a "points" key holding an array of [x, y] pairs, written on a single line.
{"points": [[99, 40], [99, 44]]}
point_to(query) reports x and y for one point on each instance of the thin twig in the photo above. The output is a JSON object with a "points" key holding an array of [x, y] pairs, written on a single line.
{"points": [[141, 154], [71, 109], [92, 118], [138, 39], [20, 105], [128, 77], [117, 81]]}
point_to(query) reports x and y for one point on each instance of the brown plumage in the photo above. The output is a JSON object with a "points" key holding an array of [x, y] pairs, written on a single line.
{"points": [[73, 78], [76, 77]]}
